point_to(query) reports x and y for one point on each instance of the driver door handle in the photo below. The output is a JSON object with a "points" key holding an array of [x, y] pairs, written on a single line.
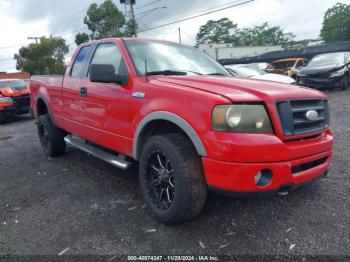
{"points": [[83, 91]]}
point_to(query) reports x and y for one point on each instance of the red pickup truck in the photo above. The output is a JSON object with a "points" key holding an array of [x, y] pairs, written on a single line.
{"points": [[188, 124]]}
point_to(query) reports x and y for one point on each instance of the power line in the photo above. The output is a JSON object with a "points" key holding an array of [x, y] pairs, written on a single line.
{"points": [[65, 33], [150, 28], [36, 38], [72, 18], [6, 59], [148, 4], [150, 11], [61, 19], [8, 47], [195, 16], [155, 31]]}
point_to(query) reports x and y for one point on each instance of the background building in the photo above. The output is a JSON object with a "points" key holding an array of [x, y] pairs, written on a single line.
{"points": [[228, 51], [18, 75]]}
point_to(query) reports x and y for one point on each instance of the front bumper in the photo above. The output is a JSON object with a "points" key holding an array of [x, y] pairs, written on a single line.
{"points": [[240, 177], [22, 103], [321, 83]]}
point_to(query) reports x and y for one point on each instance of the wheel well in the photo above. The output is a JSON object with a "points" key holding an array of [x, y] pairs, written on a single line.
{"points": [[41, 107], [158, 127]]}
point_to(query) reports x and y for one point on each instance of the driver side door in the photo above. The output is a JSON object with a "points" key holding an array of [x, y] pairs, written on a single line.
{"points": [[105, 107]]}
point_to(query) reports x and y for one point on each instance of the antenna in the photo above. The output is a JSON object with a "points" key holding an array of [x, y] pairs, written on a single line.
{"points": [[146, 70]]}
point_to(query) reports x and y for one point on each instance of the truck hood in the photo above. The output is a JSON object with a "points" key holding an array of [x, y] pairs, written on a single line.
{"points": [[240, 89]]}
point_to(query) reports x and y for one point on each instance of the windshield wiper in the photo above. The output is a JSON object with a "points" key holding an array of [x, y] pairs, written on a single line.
{"points": [[165, 72], [216, 74], [171, 72]]}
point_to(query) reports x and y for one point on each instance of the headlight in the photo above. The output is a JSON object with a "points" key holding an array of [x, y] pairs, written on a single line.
{"points": [[339, 72], [241, 118], [6, 100]]}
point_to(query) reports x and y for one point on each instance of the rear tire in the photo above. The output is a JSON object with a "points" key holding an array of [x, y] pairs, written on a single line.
{"points": [[172, 178], [51, 137], [3, 118]]}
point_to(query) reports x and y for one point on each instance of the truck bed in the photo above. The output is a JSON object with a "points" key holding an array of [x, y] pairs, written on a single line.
{"points": [[44, 85], [48, 81]]}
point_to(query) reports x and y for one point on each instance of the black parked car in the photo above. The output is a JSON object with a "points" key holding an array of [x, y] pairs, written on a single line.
{"points": [[326, 71]]}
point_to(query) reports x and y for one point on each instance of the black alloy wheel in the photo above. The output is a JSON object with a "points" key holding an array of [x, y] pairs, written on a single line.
{"points": [[51, 137], [172, 178], [43, 136], [160, 180]]}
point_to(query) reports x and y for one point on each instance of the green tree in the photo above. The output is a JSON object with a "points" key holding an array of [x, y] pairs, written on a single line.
{"points": [[81, 38], [131, 28], [217, 31], [336, 24], [46, 57], [105, 20], [263, 35], [225, 31]]}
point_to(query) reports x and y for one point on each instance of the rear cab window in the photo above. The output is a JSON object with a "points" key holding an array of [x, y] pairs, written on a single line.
{"points": [[79, 63]]}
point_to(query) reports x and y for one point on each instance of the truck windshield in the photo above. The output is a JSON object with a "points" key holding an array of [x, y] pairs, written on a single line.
{"points": [[171, 58]]}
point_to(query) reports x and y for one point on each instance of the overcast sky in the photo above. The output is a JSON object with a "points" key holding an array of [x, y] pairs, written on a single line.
{"points": [[22, 18]]}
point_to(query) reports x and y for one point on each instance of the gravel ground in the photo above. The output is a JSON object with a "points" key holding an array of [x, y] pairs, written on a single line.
{"points": [[81, 203]]}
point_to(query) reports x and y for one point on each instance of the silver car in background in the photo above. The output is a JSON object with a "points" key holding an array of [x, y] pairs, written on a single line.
{"points": [[248, 71]]}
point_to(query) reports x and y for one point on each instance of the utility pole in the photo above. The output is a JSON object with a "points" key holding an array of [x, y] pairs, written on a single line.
{"points": [[180, 35], [34, 38], [132, 13]]}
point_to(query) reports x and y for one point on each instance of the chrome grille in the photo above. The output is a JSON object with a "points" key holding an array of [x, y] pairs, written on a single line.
{"points": [[292, 114]]}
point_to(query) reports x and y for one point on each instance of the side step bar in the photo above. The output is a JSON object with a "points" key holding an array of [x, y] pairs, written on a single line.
{"points": [[115, 160]]}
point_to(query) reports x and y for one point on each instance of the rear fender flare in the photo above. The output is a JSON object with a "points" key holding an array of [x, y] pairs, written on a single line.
{"points": [[42, 98]]}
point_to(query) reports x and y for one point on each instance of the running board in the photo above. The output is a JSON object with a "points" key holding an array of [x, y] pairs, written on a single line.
{"points": [[115, 160]]}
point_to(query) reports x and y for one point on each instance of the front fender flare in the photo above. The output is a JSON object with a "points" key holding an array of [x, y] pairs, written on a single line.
{"points": [[175, 119]]}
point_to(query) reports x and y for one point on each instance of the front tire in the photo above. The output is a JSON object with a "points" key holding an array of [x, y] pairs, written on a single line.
{"points": [[172, 178], [51, 137]]}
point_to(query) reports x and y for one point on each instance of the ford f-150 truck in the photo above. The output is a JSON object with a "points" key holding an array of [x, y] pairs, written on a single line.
{"points": [[188, 124]]}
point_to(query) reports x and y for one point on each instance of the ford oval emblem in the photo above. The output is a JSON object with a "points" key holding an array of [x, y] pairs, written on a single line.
{"points": [[311, 115]]}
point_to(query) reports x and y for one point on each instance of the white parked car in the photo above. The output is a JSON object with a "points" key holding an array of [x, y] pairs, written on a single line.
{"points": [[261, 66], [247, 71]]}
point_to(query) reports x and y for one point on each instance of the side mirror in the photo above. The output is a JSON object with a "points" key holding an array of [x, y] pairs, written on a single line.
{"points": [[105, 73]]}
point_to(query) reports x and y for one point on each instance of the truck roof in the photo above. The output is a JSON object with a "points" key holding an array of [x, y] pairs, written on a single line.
{"points": [[128, 39]]}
